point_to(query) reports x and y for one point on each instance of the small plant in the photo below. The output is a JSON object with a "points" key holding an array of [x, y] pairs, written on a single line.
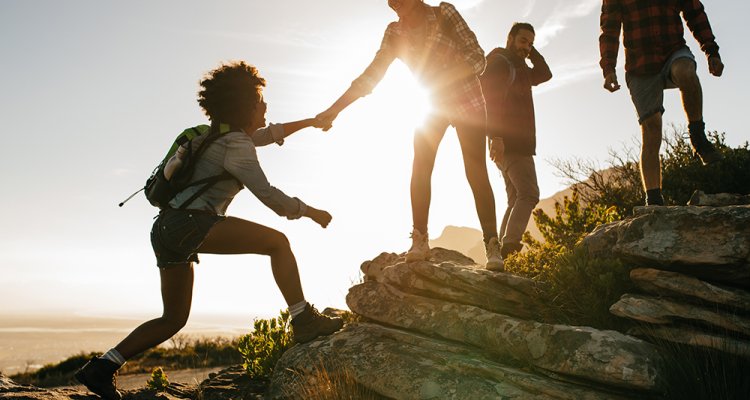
{"points": [[263, 347], [158, 380]]}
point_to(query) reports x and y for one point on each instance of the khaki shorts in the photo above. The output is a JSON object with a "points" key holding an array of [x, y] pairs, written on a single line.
{"points": [[647, 91]]}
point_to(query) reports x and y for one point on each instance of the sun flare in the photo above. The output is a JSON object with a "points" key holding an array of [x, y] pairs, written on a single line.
{"points": [[401, 98]]}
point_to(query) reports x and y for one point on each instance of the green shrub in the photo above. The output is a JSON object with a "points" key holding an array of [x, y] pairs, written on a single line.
{"points": [[575, 288], [683, 173], [263, 347], [158, 380], [619, 184]]}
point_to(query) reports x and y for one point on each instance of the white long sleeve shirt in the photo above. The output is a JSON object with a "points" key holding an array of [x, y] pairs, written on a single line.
{"points": [[235, 153]]}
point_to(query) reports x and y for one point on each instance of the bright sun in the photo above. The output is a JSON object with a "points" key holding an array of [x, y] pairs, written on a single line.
{"points": [[402, 98]]}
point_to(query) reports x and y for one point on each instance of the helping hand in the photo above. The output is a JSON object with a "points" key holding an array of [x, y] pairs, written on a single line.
{"points": [[715, 66], [610, 82], [325, 119]]}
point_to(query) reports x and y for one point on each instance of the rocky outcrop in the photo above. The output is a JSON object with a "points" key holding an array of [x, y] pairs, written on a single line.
{"points": [[447, 328], [398, 364], [712, 243], [694, 275], [673, 284], [662, 311]]}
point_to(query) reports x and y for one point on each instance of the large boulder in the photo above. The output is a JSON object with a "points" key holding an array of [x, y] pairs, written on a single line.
{"points": [[708, 242], [368, 361], [606, 357]]}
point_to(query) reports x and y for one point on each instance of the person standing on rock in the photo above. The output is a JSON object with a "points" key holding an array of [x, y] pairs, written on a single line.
{"points": [[657, 58], [441, 50], [511, 126], [231, 96]]}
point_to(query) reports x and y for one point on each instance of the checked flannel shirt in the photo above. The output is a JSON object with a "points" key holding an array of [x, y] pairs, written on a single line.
{"points": [[429, 52], [652, 32]]}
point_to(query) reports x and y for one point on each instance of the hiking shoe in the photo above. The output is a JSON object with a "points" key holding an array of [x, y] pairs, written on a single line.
{"points": [[98, 375], [510, 248], [705, 149], [420, 248], [494, 261], [310, 324]]}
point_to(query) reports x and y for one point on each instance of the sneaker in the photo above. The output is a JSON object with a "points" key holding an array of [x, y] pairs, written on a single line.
{"points": [[510, 248], [420, 248], [705, 149], [494, 261], [98, 375], [310, 324]]}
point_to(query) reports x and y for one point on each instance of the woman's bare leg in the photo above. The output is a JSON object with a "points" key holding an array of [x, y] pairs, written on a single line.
{"points": [[238, 236], [177, 295]]}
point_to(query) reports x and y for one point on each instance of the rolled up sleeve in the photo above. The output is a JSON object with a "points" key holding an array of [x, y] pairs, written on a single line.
{"points": [[242, 162], [273, 133]]}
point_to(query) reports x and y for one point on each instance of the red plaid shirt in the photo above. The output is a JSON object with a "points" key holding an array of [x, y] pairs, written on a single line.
{"points": [[428, 52], [652, 32]]}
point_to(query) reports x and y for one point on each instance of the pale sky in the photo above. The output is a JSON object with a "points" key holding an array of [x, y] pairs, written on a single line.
{"points": [[94, 92]]}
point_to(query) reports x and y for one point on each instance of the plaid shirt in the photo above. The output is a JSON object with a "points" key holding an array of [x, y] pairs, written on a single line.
{"points": [[652, 32], [429, 52]]}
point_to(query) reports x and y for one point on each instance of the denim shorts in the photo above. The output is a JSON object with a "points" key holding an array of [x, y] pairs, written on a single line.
{"points": [[647, 91], [177, 234]]}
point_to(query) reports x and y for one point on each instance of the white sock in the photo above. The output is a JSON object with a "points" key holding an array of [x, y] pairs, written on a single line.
{"points": [[114, 356], [296, 309]]}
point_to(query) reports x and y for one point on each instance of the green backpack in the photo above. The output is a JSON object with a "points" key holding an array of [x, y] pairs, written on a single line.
{"points": [[179, 165]]}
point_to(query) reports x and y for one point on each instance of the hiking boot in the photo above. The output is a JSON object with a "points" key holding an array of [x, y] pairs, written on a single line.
{"points": [[494, 261], [705, 149], [98, 375], [510, 248], [310, 324], [420, 248]]}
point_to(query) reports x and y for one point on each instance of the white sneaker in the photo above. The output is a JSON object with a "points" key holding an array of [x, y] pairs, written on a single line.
{"points": [[420, 248], [494, 261]]}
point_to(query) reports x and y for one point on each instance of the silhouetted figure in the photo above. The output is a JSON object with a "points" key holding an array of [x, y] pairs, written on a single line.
{"points": [[231, 96], [507, 83], [442, 51], [657, 58]]}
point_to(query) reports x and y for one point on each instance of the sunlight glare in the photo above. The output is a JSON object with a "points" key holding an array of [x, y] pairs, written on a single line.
{"points": [[401, 98]]}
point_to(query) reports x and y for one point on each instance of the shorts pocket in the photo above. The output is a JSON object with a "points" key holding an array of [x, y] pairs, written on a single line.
{"points": [[179, 231]]}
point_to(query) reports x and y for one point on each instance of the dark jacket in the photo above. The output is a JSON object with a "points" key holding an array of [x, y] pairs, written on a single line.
{"points": [[506, 84]]}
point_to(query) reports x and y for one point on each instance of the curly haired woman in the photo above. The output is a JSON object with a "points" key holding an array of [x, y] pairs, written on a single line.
{"points": [[231, 96]]}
